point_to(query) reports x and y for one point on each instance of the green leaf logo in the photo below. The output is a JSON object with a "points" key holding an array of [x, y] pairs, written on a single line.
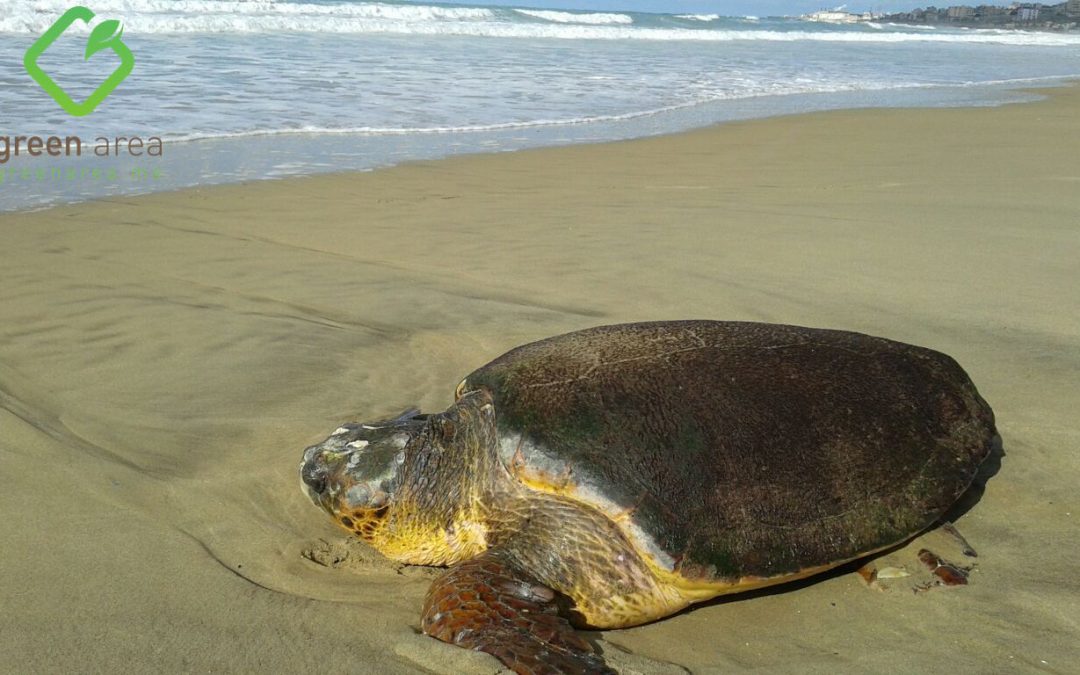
{"points": [[102, 36], [105, 35]]}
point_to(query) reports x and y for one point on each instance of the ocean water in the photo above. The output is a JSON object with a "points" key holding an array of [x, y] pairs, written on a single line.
{"points": [[245, 90]]}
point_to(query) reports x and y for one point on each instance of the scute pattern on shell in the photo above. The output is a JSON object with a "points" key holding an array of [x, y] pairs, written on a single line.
{"points": [[745, 449]]}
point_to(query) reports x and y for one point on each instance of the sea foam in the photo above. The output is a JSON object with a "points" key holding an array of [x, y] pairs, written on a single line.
{"points": [[275, 16], [576, 17]]}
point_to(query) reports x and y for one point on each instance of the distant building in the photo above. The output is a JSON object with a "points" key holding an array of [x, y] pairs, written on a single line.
{"points": [[1026, 13], [1062, 16]]}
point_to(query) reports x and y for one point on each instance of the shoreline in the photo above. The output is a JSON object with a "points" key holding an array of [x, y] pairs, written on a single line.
{"points": [[165, 358], [126, 176]]}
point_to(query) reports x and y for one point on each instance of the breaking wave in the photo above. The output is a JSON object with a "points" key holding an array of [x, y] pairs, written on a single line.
{"points": [[278, 16], [595, 18], [698, 17]]}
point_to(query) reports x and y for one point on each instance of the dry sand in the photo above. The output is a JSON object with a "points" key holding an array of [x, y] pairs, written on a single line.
{"points": [[164, 360]]}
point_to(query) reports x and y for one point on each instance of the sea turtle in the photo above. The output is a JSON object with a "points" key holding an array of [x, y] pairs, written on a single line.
{"points": [[615, 475]]}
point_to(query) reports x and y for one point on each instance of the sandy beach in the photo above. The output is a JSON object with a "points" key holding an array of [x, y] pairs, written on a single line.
{"points": [[165, 359]]}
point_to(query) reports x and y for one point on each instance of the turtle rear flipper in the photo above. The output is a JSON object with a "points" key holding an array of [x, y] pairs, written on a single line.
{"points": [[490, 605], [938, 558]]}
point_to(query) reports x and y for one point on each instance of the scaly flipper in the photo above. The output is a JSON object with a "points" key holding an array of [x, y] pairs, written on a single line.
{"points": [[923, 563], [490, 605]]}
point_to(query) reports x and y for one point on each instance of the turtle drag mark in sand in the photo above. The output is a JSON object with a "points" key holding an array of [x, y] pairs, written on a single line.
{"points": [[613, 476]]}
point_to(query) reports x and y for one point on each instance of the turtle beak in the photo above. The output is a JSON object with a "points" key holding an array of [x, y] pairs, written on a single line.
{"points": [[313, 472]]}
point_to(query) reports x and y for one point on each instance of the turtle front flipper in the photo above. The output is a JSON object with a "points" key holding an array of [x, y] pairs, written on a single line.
{"points": [[490, 605]]}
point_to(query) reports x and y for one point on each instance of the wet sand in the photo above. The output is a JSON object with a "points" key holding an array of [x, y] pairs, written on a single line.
{"points": [[165, 359]]}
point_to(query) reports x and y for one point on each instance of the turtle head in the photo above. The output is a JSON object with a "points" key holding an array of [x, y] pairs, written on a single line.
{"points": [[355, 473], [413, 487]]}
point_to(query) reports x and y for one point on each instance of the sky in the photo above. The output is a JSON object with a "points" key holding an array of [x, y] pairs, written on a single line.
{"points": [[732, 7]]}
